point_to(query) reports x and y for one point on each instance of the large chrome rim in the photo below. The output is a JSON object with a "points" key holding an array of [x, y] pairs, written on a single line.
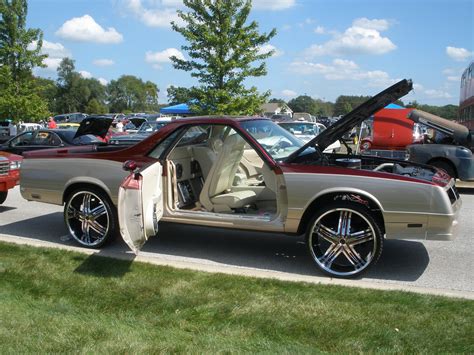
{"points": [[342, 242], [87, 218]]}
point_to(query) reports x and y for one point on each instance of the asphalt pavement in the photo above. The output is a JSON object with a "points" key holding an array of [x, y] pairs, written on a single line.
{"points": [[421, 266]]}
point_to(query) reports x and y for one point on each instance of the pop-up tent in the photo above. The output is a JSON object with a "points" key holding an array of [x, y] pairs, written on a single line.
{"points": [[179, 109]]}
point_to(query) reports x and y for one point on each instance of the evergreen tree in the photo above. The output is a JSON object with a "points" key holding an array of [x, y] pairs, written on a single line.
{"points": [[222, 48]]}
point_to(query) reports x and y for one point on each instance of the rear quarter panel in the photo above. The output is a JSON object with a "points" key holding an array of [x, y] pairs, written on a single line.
{"points": [[45, 180]]}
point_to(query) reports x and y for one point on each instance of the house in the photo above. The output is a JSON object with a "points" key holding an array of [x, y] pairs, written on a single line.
{"points": [[274, 108]]}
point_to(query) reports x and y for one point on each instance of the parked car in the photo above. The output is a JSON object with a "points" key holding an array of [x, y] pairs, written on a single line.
{"points": [[307, 131], [218, 171], [9, 173], [92, 130], [147, 128], [23, 127], [70, 117], [450, 149]]}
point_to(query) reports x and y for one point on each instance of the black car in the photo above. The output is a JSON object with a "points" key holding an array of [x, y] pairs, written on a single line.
{"points": [[91, 131]]}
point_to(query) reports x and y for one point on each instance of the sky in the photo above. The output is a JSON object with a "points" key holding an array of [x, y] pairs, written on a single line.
{"points": [[323, 48]]}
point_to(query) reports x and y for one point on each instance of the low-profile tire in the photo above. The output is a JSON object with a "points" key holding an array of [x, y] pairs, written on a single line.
{"points": [[445, 166], [90, 216], [344, 239], [3, 196]]}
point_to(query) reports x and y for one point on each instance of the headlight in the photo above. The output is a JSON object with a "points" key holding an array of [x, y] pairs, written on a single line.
{"points": [[15, 165]]}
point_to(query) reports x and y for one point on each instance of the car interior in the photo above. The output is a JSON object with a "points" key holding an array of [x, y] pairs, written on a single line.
{"points": [[213, 169]]}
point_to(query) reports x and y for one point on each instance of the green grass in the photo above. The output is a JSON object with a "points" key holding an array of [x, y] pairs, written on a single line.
{"points": [[58, 301]]}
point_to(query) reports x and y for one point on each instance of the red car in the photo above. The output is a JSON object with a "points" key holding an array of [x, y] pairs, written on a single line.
{"points": [[9, 173], [248, 173]]}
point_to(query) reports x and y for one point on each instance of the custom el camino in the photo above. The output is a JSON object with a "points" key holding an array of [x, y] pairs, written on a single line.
{"points": [[222, 172]]}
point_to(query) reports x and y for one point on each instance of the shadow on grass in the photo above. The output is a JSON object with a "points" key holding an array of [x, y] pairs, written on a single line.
{"points": [[102, 265]]}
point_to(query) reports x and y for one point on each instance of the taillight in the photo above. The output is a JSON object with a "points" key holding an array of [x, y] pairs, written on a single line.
{"points": [[441, 178], [132, 182]]}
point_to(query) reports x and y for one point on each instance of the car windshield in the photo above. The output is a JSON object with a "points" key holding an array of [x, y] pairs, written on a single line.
{"points": [[148, 127], [278, 142], [305, 128]]}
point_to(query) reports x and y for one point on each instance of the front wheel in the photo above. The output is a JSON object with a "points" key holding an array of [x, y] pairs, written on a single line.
{"points": [[3, 196], [344, 239], [90, 217]]}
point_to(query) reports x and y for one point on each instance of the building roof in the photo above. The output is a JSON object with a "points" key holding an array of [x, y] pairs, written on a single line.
{"points": [[274, 106]]}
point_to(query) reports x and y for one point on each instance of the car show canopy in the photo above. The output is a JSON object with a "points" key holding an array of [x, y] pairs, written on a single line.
{"points": [[179, 109]]}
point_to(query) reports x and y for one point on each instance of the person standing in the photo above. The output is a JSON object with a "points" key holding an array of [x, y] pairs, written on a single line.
{"points": [[119, 126], [52, 123]]}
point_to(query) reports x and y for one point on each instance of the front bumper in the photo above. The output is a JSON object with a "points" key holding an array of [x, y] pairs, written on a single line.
{"points": [[425, 226]]}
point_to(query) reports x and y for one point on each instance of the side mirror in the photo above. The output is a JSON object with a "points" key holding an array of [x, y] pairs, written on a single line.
{"points": [[130, 165]]}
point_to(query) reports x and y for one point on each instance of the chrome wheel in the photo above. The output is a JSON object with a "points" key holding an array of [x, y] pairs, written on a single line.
{"points": [[344, 241], [88, 218]]}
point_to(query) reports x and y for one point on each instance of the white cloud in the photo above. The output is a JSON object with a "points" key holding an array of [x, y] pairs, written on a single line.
{"points": [[157, 58], [375, 24], [342, 69], [52, 64], [454, 78], [85, 29], [269, 47], [103, 62], [273, 4], [289, 93], [103, 81], [286, 27], [437, 94], [155, 17], [55, 51], [320, 30], [458, 54], [85, 74], [363, 37]]}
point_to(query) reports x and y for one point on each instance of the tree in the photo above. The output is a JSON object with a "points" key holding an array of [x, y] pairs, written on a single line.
{"points": [[21, 102], [222, 48], [179, 95], [20, 48], [74, 93], [276, 101], [94, 106], [129, 93], [303, 103], [20, 52]]}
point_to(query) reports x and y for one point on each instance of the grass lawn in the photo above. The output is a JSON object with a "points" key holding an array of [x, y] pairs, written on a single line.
{"points": [[59, 301]]}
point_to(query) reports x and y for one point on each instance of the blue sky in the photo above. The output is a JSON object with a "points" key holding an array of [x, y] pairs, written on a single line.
{"points": [[323, 48]]}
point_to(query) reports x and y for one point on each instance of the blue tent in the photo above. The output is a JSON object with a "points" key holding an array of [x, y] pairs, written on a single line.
{"points": [[179, 109], [394, 106]]}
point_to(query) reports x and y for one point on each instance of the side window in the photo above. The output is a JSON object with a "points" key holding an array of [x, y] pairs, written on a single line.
{"points": [[164, 144], [46, 138], [23, 139]]}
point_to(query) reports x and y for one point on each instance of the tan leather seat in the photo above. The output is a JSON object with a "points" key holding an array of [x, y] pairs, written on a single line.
{"points": [[216, 194]]}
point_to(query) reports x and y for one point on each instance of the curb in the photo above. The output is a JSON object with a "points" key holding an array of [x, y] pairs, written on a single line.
{"points": [[215, 267]]}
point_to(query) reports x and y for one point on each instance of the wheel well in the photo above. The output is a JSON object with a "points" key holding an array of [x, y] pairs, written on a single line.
{"points": [[330, 197], [82, 185], [444, 160]]}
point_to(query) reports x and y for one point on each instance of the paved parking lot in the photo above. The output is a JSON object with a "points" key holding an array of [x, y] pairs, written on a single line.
{"points": [[445, 267]]}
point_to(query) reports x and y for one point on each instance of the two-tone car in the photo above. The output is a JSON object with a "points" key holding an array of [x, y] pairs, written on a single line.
{"points": [[222, 172]]}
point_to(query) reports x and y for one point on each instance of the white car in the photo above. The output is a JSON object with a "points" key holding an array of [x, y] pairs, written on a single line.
{"points": [[306, 131]]}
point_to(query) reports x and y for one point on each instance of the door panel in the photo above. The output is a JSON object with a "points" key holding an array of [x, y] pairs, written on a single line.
{"points": [[140, 206]]}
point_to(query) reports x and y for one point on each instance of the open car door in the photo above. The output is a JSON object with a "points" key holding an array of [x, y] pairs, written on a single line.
{"points": [[140, 206]]}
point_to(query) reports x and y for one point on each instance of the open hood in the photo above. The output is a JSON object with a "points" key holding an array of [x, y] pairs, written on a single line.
{"points": [[356, 116], [459, 132], [95, 125]]}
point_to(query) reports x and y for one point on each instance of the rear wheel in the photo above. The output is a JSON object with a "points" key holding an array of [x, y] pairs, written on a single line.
{"points": [[90, 217], [445, 166], [344, 239], [3, 196]]}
